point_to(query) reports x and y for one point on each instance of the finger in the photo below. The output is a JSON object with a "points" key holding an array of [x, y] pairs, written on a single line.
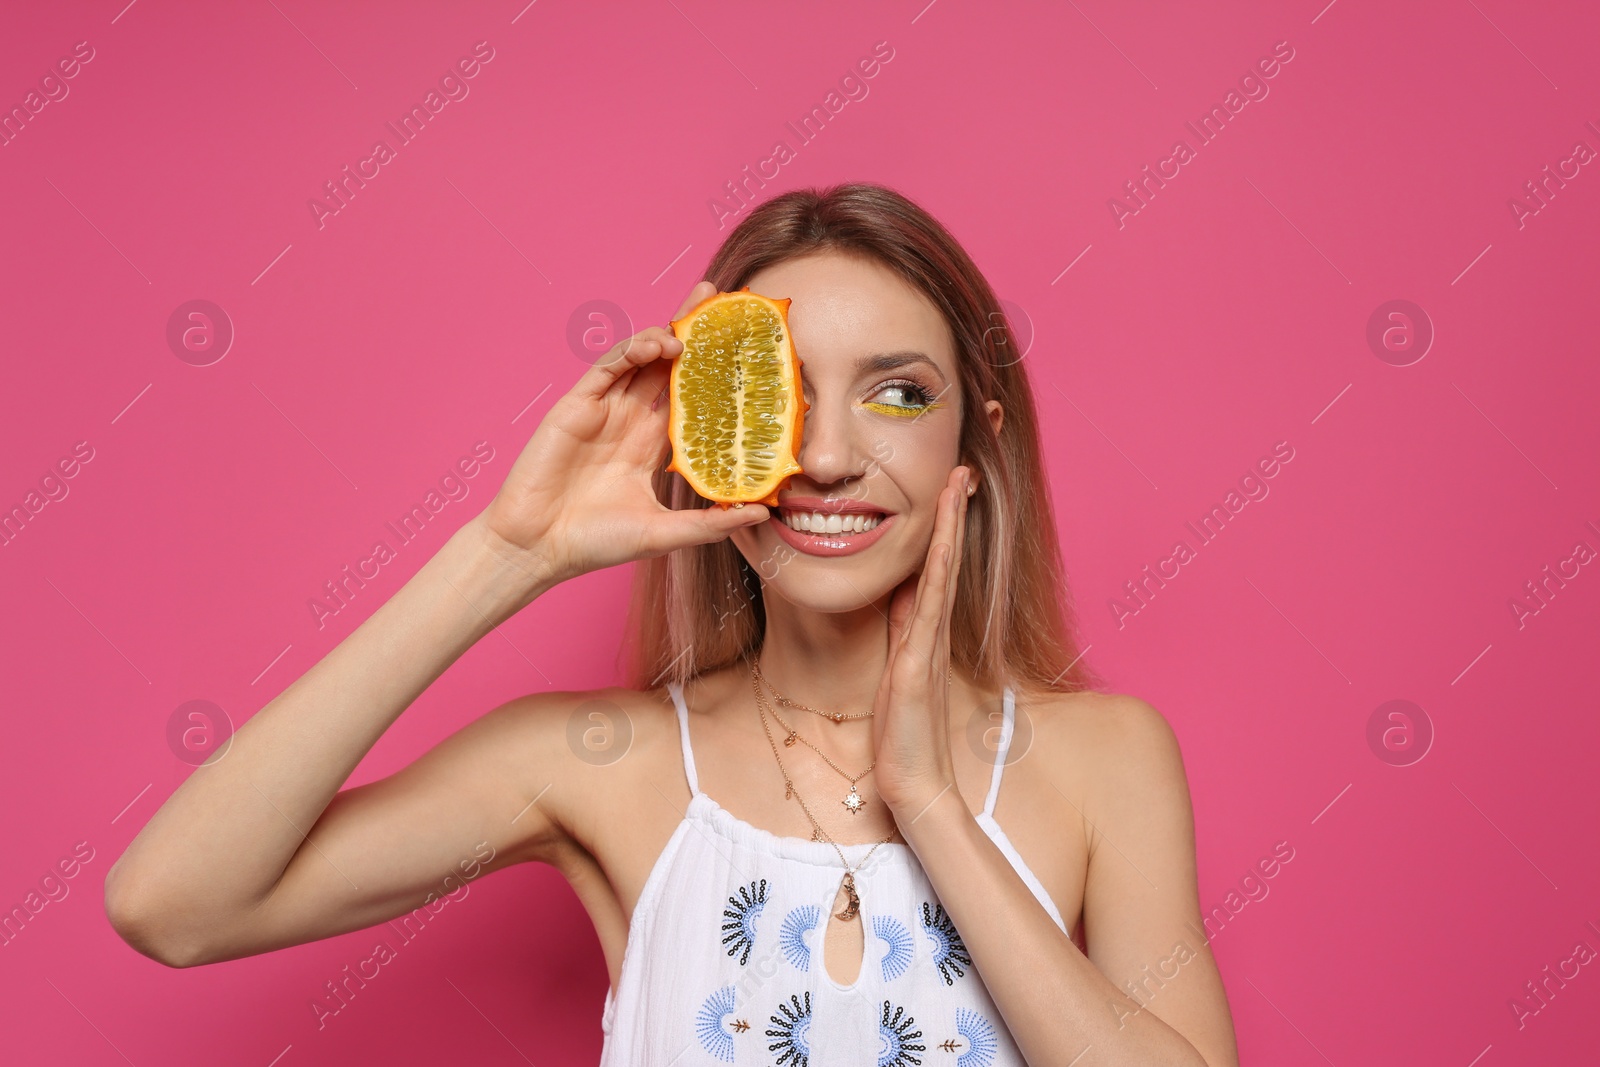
{"points": [[650, 411], [699, 526], [671, 347], [921, 642], [924, 622], [639, 350], [952, 583], [957, 547], [702, 291], [948, 532], [901, 602], [649, 384]]}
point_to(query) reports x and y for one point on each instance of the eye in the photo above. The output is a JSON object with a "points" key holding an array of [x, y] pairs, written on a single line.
{"points": [[915, 398]]}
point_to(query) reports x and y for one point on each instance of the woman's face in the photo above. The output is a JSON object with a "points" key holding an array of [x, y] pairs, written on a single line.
{"points": [[879, 441]]}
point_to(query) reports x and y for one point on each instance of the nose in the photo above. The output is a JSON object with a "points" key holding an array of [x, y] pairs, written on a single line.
{"points": [[831, 448]]}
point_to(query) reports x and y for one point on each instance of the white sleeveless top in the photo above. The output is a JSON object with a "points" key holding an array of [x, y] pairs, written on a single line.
{"points": [[724, 963]]}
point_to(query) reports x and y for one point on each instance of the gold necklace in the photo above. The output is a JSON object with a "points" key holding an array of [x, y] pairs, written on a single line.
{"points": [[853, 800], [831, 716], [853, 908]]}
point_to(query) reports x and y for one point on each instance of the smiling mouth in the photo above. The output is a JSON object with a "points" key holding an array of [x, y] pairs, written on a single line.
{"points": [[817, 522]]}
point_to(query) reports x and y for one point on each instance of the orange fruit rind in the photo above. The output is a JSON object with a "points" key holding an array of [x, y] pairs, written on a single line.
{"points": [[736, 409]]}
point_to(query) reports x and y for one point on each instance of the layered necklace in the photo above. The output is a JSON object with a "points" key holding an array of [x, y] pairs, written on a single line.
{"points": [[853, 801]]}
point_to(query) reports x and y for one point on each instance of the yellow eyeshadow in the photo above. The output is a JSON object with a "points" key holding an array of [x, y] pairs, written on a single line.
{"points": [[903, 410]]}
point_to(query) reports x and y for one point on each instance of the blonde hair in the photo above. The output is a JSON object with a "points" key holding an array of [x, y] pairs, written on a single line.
{"points": [[699, 609]]}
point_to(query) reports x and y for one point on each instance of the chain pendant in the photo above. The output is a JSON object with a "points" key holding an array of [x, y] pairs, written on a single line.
{"points": [[854, 801], [791, 739], [852, 908]]}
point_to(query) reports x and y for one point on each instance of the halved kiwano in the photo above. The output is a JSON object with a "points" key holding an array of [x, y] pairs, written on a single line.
{"points": [[736, 410]]}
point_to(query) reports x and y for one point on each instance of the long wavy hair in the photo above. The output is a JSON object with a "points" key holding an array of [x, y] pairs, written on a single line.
{"points": [[698, 609]]}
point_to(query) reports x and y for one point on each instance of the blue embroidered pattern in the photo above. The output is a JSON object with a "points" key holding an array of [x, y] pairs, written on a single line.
{"points": [[710, 1024], [739, 932], [785, 1009], [982, 1044], [897, 939], [896, 1039], [791, 935], [948, 950], [793, 1032]]}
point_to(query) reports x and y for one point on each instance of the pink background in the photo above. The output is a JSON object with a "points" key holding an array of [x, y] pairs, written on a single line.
{"points": [[1229, 314]]}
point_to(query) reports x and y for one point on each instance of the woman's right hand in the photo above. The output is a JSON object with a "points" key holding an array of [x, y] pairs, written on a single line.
{"points": [[580, 496]]}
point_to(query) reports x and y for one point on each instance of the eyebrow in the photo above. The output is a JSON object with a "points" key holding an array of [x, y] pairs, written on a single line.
{"points": [[884, 361]]}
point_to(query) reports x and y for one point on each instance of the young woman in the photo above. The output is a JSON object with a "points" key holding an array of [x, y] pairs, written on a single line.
{"points": [[900, 623]]}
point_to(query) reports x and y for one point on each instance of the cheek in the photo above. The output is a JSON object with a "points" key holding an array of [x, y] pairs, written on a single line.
{"points": [[918, 450], [761, 547], [748, 541], [921, 488]]}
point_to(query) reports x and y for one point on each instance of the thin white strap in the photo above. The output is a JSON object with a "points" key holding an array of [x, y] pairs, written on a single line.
{"points": [[683, 734], [1007, 718]]}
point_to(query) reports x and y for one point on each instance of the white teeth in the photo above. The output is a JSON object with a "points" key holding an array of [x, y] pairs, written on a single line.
{"points": [[818, 522]]}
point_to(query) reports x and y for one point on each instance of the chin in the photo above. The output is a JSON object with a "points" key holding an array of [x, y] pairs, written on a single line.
{"points": [[823, 583], [828, 590]]}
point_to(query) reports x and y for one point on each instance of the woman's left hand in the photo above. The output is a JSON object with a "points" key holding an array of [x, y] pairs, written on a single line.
{"points": [[911, 721]]}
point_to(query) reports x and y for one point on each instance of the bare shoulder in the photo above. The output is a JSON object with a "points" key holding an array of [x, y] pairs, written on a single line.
{"points": [[577, 730], [569, 757], [547, 713], [1104, 742]]}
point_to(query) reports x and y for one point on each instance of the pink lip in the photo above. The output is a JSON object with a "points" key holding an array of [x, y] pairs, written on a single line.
{"points": [[829, 507], [813, 544]]}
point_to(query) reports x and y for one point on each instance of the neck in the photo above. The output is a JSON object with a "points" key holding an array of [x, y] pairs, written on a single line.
{"points": [[833, 662]]}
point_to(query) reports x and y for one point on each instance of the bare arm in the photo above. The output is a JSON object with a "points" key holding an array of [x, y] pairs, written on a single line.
{"points": [[202, 880], [1148, 992], [1141, 911], [258, 849], [1141, 900]]}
